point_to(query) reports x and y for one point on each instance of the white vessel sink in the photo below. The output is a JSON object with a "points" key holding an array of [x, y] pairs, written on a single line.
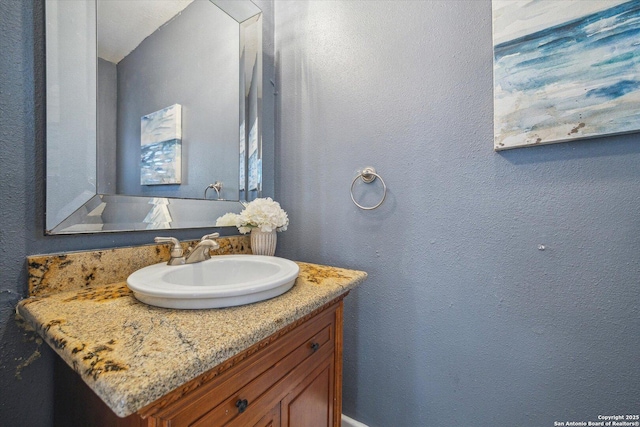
{"points": [[222, 281]]}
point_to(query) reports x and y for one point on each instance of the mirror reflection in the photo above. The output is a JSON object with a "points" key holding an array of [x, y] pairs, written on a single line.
{"points": [[168, 98], [168, 102]]}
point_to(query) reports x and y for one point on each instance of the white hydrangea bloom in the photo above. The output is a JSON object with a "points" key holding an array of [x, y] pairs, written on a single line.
{"points": [[265, 214], [227, 220]]}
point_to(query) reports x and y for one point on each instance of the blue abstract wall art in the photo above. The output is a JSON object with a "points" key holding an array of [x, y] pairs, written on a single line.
{"points": [[564, 69], [161, 147]]}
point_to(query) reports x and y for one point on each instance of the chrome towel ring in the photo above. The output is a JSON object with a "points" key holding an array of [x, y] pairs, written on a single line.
{"points": [[216, 186], [368, 175]]}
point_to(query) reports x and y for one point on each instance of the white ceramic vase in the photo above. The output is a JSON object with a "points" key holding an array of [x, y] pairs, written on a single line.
{"points": [[263, 242]]}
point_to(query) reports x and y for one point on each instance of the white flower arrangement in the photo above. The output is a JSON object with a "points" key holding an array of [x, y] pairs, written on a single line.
{"points": [[265, 214]]}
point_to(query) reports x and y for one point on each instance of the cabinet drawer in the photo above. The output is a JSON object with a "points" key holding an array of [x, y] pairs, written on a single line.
{"points": [[252, 377], [262, 393]]}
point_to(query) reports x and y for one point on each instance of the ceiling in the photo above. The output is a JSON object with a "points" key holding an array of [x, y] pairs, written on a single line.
{"points": [[124, 24]]}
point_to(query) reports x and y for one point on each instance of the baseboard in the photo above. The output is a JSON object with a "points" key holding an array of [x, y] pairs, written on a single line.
{"points": [[350, 422]]}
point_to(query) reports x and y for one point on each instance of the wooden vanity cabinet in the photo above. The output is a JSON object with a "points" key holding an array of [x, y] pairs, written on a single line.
{"points": [[292, 378]]}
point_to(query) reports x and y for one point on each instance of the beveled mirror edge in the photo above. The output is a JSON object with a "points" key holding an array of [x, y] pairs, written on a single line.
{"points": [[143, 214], [81, 220]]}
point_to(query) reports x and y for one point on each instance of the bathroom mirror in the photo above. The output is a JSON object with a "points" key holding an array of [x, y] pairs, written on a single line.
{"points": [[150, 103]]}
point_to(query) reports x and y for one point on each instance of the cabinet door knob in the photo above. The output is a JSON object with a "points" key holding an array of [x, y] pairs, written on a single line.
{"points": [[242, 405], [315, 346]]}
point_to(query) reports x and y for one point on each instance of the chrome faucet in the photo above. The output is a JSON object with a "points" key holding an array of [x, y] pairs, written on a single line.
{"points": [[198, 254], [201, 251]]}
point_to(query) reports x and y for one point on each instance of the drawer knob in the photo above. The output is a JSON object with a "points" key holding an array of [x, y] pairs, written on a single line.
{"points": [[242, 405], [315, 346]]}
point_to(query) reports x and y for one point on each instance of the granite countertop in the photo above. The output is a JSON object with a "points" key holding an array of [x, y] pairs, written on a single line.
{"points": [[131, 354]]}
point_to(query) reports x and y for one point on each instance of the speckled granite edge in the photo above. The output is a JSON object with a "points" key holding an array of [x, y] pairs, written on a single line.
{"points": [[62, 272], [132, 354]]}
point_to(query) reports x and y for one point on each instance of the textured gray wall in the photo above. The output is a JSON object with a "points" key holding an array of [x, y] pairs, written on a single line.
{"points": [[463, 321], [27, 399], [185, 62]]}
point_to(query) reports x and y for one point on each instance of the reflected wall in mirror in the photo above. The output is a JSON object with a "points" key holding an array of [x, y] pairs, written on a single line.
{"points": [[204, 55]]}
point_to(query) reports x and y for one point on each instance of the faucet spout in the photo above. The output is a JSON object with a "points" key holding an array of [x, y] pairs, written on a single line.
{"points": [[201, 251]]}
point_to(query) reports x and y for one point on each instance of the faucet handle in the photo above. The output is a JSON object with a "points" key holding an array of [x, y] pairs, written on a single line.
{"points": [[176, 249], [210, 243], [210, 236]]}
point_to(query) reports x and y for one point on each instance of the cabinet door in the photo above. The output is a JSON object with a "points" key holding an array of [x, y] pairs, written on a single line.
{"points": [[272, 419], [310, 404]]}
